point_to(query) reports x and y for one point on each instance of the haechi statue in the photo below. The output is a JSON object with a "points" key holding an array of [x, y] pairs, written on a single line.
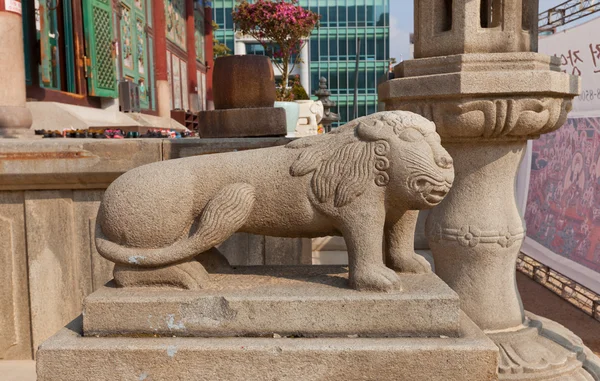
{"points": [[364, 181]]}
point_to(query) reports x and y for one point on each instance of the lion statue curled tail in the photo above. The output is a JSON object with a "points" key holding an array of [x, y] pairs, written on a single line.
{"points": [[365, 181]]}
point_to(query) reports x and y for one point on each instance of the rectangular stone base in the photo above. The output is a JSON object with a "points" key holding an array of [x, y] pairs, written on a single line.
{"points": [[70, 357], [242, 122], [305, 301]]}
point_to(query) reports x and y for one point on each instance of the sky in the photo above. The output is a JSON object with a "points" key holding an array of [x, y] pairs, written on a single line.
{"points": [[401, 25]]}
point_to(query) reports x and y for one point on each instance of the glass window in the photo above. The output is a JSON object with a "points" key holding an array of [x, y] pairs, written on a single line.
{"points": [[323, 46], [228, 18], [255, 49], [361, 16], [380, 13], [333, 81], [231, 45], [363, 48], [362, 84], [370, 15], [342, 80], [352, 15], [351, 49], [343, 49], [387, 49], [324, 16], [333, 49], [341, 14], [371, 108], [333, 17], [314, 49], [351, 80], [219, 18], [315, 9], [370, 48], [380, 48], [362, 107], [343, 111], [371, 81]]}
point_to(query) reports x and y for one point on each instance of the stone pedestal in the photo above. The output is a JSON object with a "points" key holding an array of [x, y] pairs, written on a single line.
{"points": [[309, 301], [242, 122], [68, 356], [298, 323], [15, 118]]}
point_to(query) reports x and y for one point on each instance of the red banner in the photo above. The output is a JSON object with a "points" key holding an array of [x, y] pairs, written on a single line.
{"points": [[563, 206]]}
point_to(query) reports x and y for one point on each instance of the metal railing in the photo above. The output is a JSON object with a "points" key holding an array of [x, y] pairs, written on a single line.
{"points": [[581, 297], [565, 13]]}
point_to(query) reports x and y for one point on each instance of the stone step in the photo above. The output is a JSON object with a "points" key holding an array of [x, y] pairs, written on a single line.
{"points": [[329, 244], [70, 357], [17, 370], [306, 301]]}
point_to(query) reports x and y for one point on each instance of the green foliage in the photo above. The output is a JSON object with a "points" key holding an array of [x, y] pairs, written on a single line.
{"points": [[284, 24], [219, 49], [298, 90]]}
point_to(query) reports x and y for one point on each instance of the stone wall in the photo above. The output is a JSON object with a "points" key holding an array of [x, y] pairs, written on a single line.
{"points": [[50, 191]]}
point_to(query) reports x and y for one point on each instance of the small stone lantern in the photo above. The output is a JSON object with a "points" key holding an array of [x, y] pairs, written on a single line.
{"points": [[323, 94]]}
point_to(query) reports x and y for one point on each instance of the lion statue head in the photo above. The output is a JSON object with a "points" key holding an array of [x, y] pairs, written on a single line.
{"points": [[398, 150]]}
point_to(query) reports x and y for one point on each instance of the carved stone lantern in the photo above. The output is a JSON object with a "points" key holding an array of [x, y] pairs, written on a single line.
{"points": [[478, 77], [445, 27], [323, 95]]}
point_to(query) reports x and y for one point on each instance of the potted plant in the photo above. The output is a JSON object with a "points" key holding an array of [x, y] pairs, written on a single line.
{"points": [[284, 26], [311, 112]]}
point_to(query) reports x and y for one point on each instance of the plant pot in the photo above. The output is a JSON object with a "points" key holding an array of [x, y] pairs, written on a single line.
{"points": [[292, 113], [311, 113], [243, 82]]}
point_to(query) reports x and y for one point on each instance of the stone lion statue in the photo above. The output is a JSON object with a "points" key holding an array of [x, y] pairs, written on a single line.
{"points": [[364, 181]]}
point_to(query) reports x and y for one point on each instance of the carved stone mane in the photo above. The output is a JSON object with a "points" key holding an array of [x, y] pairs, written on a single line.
{"points": [[344, 161]]}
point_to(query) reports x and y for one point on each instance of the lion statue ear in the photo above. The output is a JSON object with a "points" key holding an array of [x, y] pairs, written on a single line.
{"points": [[370, 133]]}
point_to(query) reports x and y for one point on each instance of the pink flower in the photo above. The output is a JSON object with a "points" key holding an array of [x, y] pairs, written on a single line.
{"points": [[276, 21]]}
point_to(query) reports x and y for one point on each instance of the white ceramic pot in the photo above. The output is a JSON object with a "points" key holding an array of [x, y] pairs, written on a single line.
{"points": [[311, 113], [292, 113]]}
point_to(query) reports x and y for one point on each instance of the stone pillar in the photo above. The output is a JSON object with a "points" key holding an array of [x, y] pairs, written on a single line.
{"points": [[476, 252], [305, 67], [210, 61], [191, 57], [15, 117], [477, 76], [240, 47], [163, 93]]}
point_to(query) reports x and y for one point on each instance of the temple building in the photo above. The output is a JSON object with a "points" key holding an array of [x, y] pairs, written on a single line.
{"points": [[146, 56]]}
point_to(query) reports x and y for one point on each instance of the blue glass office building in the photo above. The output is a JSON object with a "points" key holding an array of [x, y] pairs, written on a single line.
{"points": [[333, 48]]}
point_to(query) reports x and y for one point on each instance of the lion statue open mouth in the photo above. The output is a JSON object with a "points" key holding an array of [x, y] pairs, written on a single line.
{"points": [[365, 180]]}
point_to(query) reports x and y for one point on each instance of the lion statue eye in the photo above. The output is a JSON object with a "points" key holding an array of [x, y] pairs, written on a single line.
{"points": [[411, 135]]}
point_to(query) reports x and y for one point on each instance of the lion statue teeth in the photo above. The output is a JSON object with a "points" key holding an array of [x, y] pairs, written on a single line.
{"points": [[365, 181]]}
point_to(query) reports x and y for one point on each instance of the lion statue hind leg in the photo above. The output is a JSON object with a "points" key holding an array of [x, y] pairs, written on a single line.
{"points": [[189, 275], [222, 216]]}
